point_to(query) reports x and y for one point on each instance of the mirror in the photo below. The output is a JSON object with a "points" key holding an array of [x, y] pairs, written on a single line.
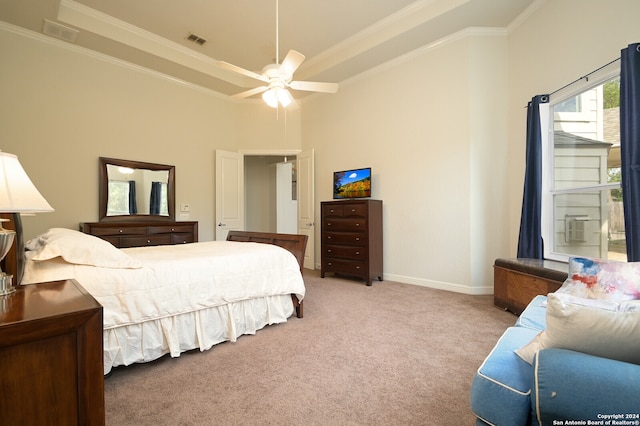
{"points": [[136, 191]]}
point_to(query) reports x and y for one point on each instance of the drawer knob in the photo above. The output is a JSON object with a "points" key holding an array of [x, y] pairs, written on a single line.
{"points": [[329, 263], [328, 223], [329, 251], [357, 224], [357, 267], [357, 238], [358, 253], [149, 241], [353, 210], [173, 229], [329, 237], [120, 231]]}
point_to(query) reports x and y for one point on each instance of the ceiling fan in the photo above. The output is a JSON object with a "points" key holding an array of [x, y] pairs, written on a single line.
{"points": [[278, 78]]}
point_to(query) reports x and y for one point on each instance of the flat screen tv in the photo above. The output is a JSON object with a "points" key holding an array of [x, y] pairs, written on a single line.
{"points": [[355, 183]]}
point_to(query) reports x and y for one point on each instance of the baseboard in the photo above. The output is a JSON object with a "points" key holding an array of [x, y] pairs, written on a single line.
{"points": [[438, 285]]}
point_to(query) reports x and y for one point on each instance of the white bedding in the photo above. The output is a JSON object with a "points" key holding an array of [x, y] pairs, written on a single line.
{"points": [[183, 297]]}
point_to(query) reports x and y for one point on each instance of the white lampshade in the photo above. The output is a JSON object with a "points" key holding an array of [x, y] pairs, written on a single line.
{"points": [[284, 97], [271, 98], [277, 94], [17, 192]]}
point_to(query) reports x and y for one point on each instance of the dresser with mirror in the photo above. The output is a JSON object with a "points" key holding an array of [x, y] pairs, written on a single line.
{"points": [[137, 206]]}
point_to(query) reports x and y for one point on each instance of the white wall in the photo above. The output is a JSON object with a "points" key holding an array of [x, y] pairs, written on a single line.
{"points": [[63, 107], [557, 43], [428, 126]]}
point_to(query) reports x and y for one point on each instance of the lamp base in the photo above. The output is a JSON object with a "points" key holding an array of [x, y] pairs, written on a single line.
{"points": [[6, 241], [6, 284]]}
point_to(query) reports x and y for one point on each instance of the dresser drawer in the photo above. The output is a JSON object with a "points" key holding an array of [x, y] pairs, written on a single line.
{"points": [[345, 252], [348, 267], [124, 230], [115, 240], [350, 238], [352, 225], [147, 240], [169, 229], [182, 238], [354, 210], [344, 210], [332, 211]]}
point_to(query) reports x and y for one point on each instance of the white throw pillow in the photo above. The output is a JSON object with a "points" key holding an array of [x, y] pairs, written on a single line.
{"points": [[80, 249], [603, 328]]}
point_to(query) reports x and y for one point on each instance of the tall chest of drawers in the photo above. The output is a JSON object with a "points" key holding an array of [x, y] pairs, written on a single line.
{"points": [[139, 234], [352, 238]]}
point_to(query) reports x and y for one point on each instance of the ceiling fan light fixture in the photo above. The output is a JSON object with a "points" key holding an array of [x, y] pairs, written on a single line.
{"points": [[271, 98], [277, 95], [284, 97]]}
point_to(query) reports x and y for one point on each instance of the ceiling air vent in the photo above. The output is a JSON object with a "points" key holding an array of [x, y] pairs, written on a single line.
{"points": [[196, 39], [59, 31]]}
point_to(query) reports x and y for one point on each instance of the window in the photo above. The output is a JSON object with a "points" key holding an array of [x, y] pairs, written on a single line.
{"points": [[118, 203], [582, 206]]}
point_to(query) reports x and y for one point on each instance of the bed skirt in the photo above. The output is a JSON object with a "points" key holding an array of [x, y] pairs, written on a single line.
{"points": [[150, 340]]}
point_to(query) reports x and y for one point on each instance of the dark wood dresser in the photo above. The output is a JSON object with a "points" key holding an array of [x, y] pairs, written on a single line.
{"points": [[52, 370], [352, 238], [138, 234]]}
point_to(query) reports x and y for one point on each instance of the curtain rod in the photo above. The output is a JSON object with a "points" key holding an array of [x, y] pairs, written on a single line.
{"points": [[584, 77]]}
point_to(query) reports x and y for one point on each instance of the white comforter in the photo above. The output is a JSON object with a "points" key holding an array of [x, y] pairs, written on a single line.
{"points": [[185, 278]]}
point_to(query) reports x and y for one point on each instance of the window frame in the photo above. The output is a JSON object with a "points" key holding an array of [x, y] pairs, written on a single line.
{"points": [[547, 122]]}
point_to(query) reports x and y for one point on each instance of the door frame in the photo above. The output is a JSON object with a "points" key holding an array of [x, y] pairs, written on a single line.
{"points": [[310, 252]]}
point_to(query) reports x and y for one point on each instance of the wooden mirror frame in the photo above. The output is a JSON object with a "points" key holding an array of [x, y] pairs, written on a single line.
{"points": [[104, 191]]}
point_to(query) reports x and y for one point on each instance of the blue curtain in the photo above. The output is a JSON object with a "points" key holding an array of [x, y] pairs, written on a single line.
{"points": [[530, 237], [630, 146], [156, 196], [133, 207]]}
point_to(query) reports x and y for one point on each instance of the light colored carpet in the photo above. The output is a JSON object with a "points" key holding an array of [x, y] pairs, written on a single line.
{"points": [[387, 354]]}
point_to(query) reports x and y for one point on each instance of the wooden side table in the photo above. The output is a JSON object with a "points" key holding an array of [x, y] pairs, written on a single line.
{"points": [[51, 358]]}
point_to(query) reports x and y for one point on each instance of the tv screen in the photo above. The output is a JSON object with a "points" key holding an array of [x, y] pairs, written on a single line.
{"points": [[354, 183]]}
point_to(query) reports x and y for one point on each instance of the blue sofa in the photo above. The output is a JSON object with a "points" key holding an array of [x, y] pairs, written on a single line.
{"points": [[560, 387]]}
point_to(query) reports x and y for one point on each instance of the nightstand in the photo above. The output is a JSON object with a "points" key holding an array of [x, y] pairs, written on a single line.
{"points": [[51, 360]]}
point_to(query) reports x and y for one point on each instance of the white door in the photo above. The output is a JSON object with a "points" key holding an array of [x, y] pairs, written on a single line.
{"points": [[286, 206], [229, 193], [306, 209]]}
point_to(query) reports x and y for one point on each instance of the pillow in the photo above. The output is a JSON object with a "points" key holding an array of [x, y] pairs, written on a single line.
{"points": [[55, 269], [603, 328], [80, 249], [602, 279]]}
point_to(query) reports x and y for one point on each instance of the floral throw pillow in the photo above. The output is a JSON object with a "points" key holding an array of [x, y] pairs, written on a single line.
{"points": [[602, 279]]}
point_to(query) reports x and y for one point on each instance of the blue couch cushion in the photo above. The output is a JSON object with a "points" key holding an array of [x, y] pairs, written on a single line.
{"points": [[577, 386], [535, 314], [501, 388]]}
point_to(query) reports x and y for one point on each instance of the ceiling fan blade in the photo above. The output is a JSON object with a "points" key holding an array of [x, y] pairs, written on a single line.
{"points": [[314, 86], [291, 62], [250, 92], [242, 71]]}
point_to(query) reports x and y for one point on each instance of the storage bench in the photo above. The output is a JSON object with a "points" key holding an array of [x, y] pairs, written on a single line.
{"points": [[517, 281]]}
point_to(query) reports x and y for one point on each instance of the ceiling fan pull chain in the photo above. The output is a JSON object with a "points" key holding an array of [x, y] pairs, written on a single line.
{"points": [[277, 34]]}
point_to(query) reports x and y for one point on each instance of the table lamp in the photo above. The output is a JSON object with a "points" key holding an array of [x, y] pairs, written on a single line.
{"points": [[17, 195]]}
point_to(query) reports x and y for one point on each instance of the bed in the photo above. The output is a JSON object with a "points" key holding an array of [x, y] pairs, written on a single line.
{"points": [[170, 299]]}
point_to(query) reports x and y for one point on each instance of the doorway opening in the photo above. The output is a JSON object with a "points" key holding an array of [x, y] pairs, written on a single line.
{"points": [[270, 183]]}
